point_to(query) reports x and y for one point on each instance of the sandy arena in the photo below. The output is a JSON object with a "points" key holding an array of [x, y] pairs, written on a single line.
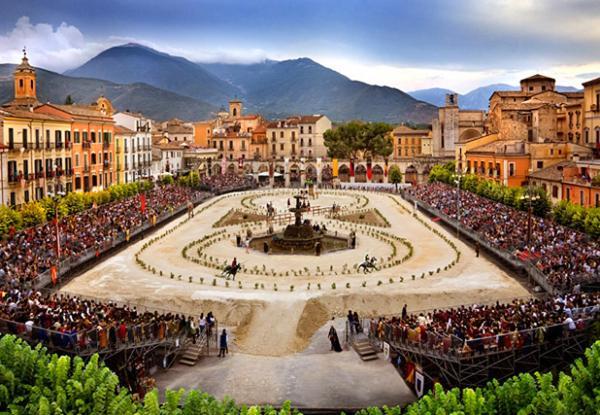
{"points": [[278, 302]]}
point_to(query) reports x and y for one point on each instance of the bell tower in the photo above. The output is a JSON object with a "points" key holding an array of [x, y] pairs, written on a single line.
{"points": [[25, 82], [235, 108]]}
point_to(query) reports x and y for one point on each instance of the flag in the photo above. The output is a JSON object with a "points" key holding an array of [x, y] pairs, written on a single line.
{"points": [[335, 167], [143, 203], [53, 274], [436, 219], [385, 168], [369, 170], [351, 167]]}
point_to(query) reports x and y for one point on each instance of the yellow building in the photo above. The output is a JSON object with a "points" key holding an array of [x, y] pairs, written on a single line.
{"points": [[408, 142], [122, 136], [38, 146], [591, 115]]}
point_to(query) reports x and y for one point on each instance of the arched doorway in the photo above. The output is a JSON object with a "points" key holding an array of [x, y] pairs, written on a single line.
{"points": [[411, 175], [311, 173], [360, 174], [377, 174], [326, 174], [294, 175], [344, 173], [216, 169]]}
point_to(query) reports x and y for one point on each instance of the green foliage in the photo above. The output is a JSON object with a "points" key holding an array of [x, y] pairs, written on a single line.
{"points": [[516, 197], [33, 381], [359, 138], [32, 214], [69, 100], [167, 179], [395, 175], [9, 218]]}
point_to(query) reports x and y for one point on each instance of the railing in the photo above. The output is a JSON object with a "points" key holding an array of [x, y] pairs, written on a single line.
{"points": [[506, 256], [92, 341], [452, 347], [70, 264]]}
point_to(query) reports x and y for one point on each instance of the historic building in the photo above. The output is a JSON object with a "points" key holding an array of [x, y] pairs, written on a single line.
{"points": [[36, 153], [591, 115], [136, 145], [408, 142], [92, 131], [454, 124]]}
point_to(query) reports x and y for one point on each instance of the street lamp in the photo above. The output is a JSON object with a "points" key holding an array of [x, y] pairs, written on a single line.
{"points": [[531, 198], [457, 180]]}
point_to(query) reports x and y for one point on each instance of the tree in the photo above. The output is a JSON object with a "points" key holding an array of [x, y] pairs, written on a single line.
{"points": [[9, 218], [395, 175], [69, 100], [356, 138], [33, 214]]}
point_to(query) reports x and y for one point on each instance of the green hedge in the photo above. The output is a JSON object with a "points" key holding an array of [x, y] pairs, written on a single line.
{"points": [[38, 212], [33, 381]]}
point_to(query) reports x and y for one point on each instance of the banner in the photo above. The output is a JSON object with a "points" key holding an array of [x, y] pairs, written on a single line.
{"points": [[271, 170], [385, 168], [386, 351], [335, 167], [419, 383], [351, 167], [53, 274], [143, 203], [57, 234], [369, 171]]}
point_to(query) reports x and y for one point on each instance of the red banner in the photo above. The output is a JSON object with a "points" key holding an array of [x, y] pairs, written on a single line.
{"points": [[53, 274], [57, 234], [143, 203], [369, 171], [351, 168]]}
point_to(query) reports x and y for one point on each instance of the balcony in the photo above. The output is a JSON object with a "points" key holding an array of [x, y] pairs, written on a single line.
{"points": [[86, 145], [86, 169], [106, 164], [69, 172], [106, 144], [118, 150], [59, 145], [39, 174], [68, 145]]}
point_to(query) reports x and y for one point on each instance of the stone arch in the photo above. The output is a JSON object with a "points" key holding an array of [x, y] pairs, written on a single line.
{"points": [[469, 133], [360, 173], [280, 169], [327, 174], [248, 168], [311, 172], [231, 168], [377, 172], [216, 169], [294, 173], [344, 173], [411, 175], [263, 168]]}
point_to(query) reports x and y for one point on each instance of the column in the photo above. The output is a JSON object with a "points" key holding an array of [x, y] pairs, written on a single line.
{"points": [[286, 172]]}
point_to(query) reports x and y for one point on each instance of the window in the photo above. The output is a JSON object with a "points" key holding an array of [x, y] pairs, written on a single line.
{"points": [[230, 145], [281, 134], [273, 135], [310, 129], [93, 134], [568, 194], [301, 129], [37, 139], [11, 138], [581, 198], [511, 169], [293, 135], [597, 199], [93, 158], [310, 142], [76, 160], [281, 147], [24, 138], [20, 83], [540, 164]]}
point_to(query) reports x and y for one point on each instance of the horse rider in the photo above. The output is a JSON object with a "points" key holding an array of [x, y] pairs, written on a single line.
{"points": [[233, 263]]}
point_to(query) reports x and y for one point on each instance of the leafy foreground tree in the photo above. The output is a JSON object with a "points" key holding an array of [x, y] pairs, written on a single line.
{"points": [[395, 175], [357, 138], [33, 381]]}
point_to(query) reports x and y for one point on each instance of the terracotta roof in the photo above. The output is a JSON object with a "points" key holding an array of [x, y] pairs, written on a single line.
{"points": [[119, 129], [514, 94], [501, 147], [310, 119], [405, 130], [83, 110], [21, 113], [538, 77], [552, 173], [262, 128], [592, 82]]}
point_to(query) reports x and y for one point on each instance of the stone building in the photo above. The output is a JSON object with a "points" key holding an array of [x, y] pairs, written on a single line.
{"points": [[408, 142], [452, 125]]}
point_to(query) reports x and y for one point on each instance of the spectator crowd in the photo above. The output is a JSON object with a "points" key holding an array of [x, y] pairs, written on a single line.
{"points": [[228, 182], [565, 256], [480, 328], [30, 252]]}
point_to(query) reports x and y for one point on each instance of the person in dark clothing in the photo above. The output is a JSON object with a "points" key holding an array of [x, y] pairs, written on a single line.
{"points": [[357, 325], [351, 324], [223, 349], [334, 339], [477, 249]]}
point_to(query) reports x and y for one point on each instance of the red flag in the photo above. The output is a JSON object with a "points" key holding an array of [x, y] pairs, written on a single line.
{"points": [[53, 274], [351, 167], [143, 203], [436, 219], [369, 171]]}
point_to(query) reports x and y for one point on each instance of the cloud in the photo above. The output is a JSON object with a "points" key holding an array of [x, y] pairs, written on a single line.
{"points": [[56, 48]]}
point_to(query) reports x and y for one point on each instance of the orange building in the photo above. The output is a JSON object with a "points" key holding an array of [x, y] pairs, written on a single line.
{"points": [[407, 141], [506, 162], [202, 132], [94, 162]]}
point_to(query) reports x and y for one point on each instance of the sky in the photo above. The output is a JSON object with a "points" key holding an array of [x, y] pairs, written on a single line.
{"points": [[407, 44]]}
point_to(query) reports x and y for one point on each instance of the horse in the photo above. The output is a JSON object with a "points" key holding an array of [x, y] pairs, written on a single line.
{"points": [[230, 271], [368, 265]]}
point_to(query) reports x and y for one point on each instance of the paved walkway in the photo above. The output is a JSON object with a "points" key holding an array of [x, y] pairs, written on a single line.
{"points": [[314, 378]]}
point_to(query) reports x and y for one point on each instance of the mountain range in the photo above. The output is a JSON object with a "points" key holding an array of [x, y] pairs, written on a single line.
{"points": [[271, 88], [476, 99]]}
